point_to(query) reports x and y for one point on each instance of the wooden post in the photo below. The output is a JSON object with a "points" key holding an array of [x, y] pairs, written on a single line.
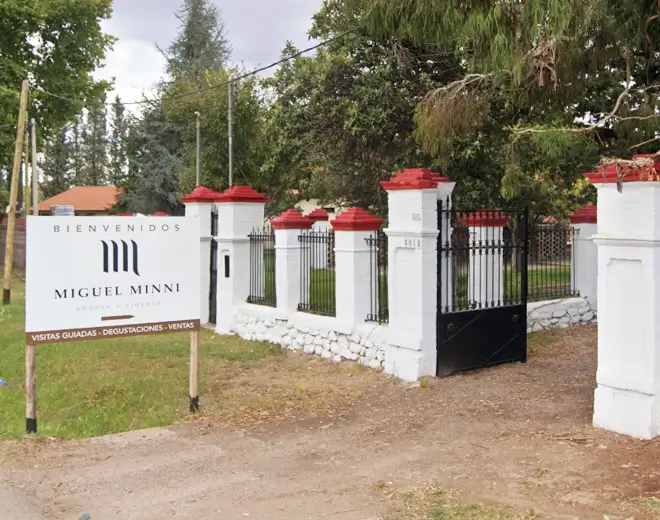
{"points": [[25, 178], [13, 194], [30, 388], [194, 371], [31, 350], [35, 178]]}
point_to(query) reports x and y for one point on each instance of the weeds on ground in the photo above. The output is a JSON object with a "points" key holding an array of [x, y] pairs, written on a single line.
{"points": [[435, 503]]}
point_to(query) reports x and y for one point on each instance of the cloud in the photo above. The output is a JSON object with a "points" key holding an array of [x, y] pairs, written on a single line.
{"points": [[257, 29]]}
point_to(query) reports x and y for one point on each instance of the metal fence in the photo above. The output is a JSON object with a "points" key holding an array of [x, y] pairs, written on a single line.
{"points": [[262, 267], [378, 278], [550, 260], [317, 272], [481, 265], [551, 263], [213, 286]]}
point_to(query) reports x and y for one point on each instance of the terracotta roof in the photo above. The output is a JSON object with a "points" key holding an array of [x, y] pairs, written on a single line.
{"points": [[85, 198]]}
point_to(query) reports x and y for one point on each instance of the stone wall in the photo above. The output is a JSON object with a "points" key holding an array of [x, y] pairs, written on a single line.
{"points": [[560, 313], [313, 335]]}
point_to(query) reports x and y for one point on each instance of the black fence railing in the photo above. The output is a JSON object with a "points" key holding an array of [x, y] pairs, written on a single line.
{"points": [[262, 267], [481, 259], [378, 278], [551, 263], [317, 272], [213, 286]]}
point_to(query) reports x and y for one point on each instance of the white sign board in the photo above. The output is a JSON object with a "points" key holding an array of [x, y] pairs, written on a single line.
{"points": [[105, 277]]}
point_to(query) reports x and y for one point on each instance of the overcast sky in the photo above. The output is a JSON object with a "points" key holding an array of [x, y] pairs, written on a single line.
{"points": [[257, 29]]}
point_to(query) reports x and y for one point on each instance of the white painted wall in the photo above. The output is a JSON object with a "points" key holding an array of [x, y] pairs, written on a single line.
{"points": [[202, 211], [627, 399], [584, 261], [235, 221]]}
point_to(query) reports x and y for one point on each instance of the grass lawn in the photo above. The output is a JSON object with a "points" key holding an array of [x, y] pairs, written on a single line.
{"points": [[96, 388], [543, 284]]}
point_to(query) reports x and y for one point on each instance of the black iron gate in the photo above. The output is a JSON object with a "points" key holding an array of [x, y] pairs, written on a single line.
{"points": [[214, 267], [482, 288]]}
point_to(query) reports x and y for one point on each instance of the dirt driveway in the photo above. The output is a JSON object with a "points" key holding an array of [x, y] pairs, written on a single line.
{"points": [[517, 435]]}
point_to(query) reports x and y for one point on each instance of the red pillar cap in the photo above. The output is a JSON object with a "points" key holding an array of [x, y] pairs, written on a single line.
{"points": [[242, 194], [124, 214], [319, 215], [159, 214], [201, 194], [485, 218], [585, 215], [608, 174], [412, 179], [292, 219], [356, 219], [439, 178]]}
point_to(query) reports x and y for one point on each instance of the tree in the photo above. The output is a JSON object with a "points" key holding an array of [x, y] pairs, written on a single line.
{"points": [[57, 45], [95, 143], [160, 146], [342, 120], [56, 166], [249, 130], [152, 184], [77, 157], [564, 72], [117, 145], [201, 44]]}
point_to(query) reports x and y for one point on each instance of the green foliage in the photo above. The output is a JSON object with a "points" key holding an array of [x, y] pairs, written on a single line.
{"points": [[4, 202], [161, 144], [212, 105], [201, 44], [95, 145], [57, 44], [533, 107], [56, 166], [118, 162], [342, 120], [152, 182]]}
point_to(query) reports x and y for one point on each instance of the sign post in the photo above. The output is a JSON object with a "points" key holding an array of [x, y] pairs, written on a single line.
{"points": [[109, 277], [194, 371]]}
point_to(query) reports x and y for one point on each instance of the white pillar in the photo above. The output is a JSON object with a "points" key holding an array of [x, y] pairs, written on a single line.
{"points": [[627, 399], [200, 203], [412, 270], [584, 257], [446, 267], [319, 255], [486, 267], [353, 265], [288, 284], [240, 210]]}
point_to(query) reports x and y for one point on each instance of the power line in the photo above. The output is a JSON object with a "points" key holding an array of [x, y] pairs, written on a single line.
{"points": [[213, 87]]}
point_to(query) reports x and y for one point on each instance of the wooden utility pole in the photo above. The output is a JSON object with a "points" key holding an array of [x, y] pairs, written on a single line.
{"points": [[26, 174], [13, 194], [35, 178]]}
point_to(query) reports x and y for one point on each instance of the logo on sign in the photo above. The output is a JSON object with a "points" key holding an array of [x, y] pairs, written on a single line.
{"points": [[120, 256]]}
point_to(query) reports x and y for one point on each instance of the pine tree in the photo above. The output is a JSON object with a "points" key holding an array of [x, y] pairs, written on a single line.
{"points": [[153, 181], [95, 142], [201, 43], [78, 137], [56, 166], [118, 161]]}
